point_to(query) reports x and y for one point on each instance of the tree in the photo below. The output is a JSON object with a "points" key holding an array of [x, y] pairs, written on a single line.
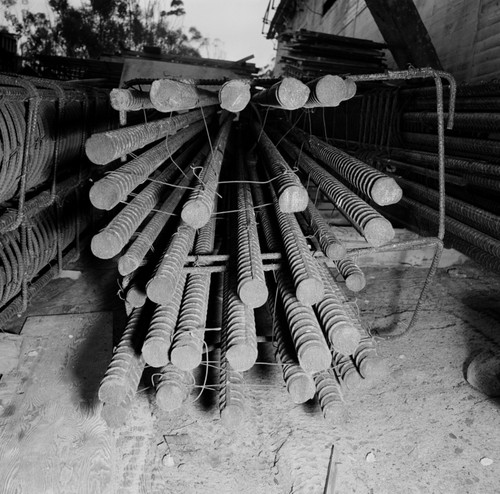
{"points": [[104, 26]]}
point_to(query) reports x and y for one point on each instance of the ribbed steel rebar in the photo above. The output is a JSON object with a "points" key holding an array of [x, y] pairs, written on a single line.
{"points": [[234, 95], [331, 246], [105, 147], [117, 185], [310, 345], [288, 94], [156, 347], [465, 232], [252, 288], [480, 256], [116, 415], [330, 397], [113, 238], [354, 278], [369, 364], [231, 397], [129, 100], [161, 286], [299, 384], [329, 90], [238, 327], [187, 345], [451, 163], [373, 226], [200, 205], [136, 252], [304, 268], [333, 318], [292, 195], [475, 122], [168, 95], [383, 190], [346, 371], [136, 294], [490, 149], [172, 387], [484, 221], [126, 367]]}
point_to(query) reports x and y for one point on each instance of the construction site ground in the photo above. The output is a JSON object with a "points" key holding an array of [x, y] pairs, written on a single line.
{"points": [[421, 430]]}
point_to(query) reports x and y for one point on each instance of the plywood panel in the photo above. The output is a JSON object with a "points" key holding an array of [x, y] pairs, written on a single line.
{"points": [[52, 438]]}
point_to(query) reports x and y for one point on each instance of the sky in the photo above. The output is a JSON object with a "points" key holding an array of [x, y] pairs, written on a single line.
{"points": [[236, 23]]}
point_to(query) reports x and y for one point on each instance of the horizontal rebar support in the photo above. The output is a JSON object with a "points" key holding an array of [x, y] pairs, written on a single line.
{"points": [[117, 185], [200, 205], [234, 95], [288, 94], [372, 225], [292, 195], [129, 100], [484, 221], [475, 122], [168, 95], [383, 190], [105, 147]]}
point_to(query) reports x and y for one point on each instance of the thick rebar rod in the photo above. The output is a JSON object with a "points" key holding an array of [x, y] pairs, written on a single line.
{"points": [[129, 100], [200, 205], [299, 384], [161, 287], [238, 327], [329, 90], [234, 95], [353, 276], [116, 415], [137, 251], [346, 371], [292, 195], [383, 190], [231, 397], [126, 367], [117, 185], [168, 95], [252, 288], [156, 347], [336, 323], [288, 94], [115, 236], [330, 397], [105, 147], [372, 225], [172, 387], [187, 345], [304, 268], [312, 351], [331, 246], [369, 364]]}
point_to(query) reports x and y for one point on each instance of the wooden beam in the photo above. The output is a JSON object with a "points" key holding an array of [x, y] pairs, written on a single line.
{"points": [[404, 32]]}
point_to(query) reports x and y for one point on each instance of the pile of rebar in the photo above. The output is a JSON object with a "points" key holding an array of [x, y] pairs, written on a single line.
{"points": [[397, 132], [43, 128], [209, 210], [310, 54]]}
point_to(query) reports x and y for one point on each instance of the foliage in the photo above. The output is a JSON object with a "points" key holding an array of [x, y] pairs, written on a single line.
{"points": [[104, 26]]}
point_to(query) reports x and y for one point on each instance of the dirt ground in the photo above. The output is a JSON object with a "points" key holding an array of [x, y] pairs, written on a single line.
{"points": [[422, 430]]}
